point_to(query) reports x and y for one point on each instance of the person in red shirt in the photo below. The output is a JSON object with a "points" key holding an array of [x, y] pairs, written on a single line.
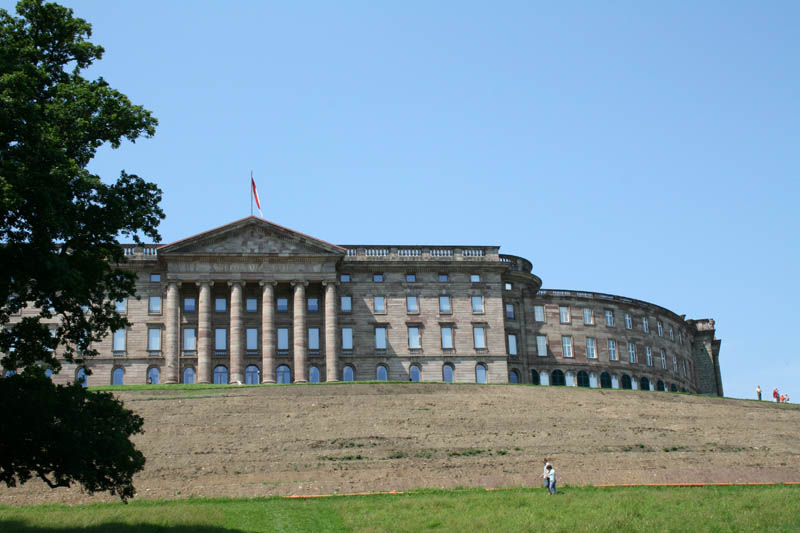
{"points": [[775, 394]]}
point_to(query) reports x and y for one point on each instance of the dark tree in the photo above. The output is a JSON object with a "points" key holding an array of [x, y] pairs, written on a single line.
{"points": [[59, 225]]}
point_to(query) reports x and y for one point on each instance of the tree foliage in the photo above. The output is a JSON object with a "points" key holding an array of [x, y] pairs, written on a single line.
{"points": [[59, 225]]}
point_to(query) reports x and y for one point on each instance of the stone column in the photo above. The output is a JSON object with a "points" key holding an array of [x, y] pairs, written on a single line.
{"points": [[331, 360], [172, 326], [204, 345], [268, 331], [300, 333], [236, 332]]}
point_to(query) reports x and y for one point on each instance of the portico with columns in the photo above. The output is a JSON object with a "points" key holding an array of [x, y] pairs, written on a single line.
{"points": [[245, 276]]}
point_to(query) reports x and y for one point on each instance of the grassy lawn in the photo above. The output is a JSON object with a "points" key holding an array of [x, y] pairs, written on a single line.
{"points": [[769, 508]]}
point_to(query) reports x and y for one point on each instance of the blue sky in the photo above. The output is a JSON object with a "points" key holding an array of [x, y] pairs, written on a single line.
{"points": [[647, 149]]}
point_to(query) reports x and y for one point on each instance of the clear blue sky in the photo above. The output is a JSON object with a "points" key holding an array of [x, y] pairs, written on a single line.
{"points": [[641, 148]]}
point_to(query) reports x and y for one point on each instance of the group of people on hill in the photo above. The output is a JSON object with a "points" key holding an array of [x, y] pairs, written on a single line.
{"points": [[778, 397], [549, 476]]}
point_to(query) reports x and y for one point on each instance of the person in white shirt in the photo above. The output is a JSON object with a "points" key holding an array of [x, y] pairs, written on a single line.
{"points": [[546, 474], [552, 476]]}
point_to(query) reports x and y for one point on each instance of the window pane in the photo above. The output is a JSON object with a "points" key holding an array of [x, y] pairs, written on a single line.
{"points": [[251, 375], [477, 304], [347, 338], [566, 346], [220, 305], [444, 304], [119, 340], [220, 375], [475, 278], [313, 305], [118, 377], [379, 304], [478, 336], [347, 304], [377, 278], [154, 339], [411, 278], [344, 278], [155, 304], [121, 305], [220, 339], [313, 338], [538, 313], [588, 317], [512, 344], [413, 337], [188, 376], [189, 305], [155, 277], [612, 350], [509, 286], [414, 373], [443, 277], [283, 374], [252, 339], [609, 318], [348, 373], [380, 338], [541, 345], [382, 375], [447, 374], [283, 305], [563, 313], [591, 351], [510, 311], [252, 305], [447, 337], [153, 376], [283, 338], [313, 374], [480, 374], [189, 339], [411, 304]]}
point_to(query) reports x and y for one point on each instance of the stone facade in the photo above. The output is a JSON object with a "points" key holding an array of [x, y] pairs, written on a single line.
{"points": [[255, 302]]}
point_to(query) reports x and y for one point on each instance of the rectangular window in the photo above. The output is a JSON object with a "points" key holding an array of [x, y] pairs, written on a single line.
{"points": [[541, 345], [479, 337], [221, 339], [379, 304], [251, 305], [588, 316], [610, 318], [155, 278], [252, 340], [509, 311], [477, 304], [154, 304], [189, 339], [121, 306], [660, 327], [649, 355], [671, 334], [512, 343], [283, 305], [631, 352], [563, 314], [680, 337], [566, 346], [538, 313], [628, 321], [683, 363], [663, 359], [645, 325], [380, 338], [283, 339], [220, 304], [443, 277], [119, 340], [612, 350], [447, 337], [412, 304], [347, 338], [312, 304], [347, 304], [591, 348], [377, 277], [444, 304], [508, 286], [413, 337], [344, 278], [313, 339], [154, 339], [475, 278], [674, 364], [189, 305], [411, 277]]}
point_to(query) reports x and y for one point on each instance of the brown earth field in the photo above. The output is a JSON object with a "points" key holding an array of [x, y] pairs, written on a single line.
{"points": [[346, 438]]}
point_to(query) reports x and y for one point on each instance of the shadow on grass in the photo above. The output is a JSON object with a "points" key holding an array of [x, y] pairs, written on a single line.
{"points": [[10, 526]]}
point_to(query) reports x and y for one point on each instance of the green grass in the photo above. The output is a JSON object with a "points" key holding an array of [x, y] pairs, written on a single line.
{"points": [[769, 508]]}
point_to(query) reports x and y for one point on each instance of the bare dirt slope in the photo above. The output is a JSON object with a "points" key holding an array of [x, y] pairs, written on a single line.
{"points": [[306, 439]]}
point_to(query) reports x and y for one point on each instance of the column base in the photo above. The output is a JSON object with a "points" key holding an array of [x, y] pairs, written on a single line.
{"points": [[300, 381], [269, 382]]}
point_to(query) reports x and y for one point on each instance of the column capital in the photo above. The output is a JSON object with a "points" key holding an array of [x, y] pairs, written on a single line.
{"points": [[232, 282], [204, 282], [334, 282], [302, 282], [265, 282]]}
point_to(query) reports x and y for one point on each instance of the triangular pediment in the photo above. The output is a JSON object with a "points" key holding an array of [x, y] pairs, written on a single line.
{"points": [[251, 236]]}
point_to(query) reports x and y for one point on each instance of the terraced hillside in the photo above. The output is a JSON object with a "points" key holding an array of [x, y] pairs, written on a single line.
{"points": [[314, 439]]}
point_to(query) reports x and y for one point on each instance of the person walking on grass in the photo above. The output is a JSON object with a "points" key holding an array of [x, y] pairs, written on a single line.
{"points": [[758, 392], [551, 475], [775, 394], [546, 474]]}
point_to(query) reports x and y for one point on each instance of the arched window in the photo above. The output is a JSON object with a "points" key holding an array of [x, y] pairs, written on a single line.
{"points": [[188, 376], [673, 388], [644, 384], [605, 381], [348, 373], [626, 382], [251, 375], [381, 373], [513, 376], [447, 373], [313, 374], [660, 385], [49, 373], [480, 373], [583, 379], [118, 376], [152, 375], [557, 378], [81, 377], [283, 375], [535, 378], [220, 375], [414, 373]]}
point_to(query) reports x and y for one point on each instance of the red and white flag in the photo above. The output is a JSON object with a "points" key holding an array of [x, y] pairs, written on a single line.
{"points": [[255, 195]]}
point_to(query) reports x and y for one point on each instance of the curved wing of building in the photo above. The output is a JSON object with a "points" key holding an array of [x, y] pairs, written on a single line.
{"points": [[253, 302]]}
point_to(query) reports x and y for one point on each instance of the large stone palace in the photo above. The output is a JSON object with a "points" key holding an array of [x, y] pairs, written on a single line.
{"points": [[254, 302]]}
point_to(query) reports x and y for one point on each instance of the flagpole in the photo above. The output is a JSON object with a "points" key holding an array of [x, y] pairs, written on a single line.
{"points": [[251, 193]]}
